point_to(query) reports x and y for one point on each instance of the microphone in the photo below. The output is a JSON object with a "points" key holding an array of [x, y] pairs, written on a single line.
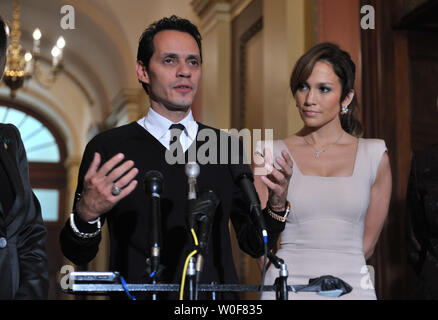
{"points": [[154, 182], [281, 290], [154, 187], [192, 170], [243, 177], [203, 212], [276, 261]]}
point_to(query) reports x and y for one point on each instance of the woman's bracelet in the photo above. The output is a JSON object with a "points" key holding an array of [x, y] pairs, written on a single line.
{"points": [[279, 216]]}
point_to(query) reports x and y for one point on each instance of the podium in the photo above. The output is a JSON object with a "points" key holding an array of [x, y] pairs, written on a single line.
{"points": [[106, 283]]}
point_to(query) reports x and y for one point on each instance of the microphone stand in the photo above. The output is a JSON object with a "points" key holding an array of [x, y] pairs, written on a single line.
{"points": [[198, 269], [192, 170], [204, 211], [154, 187], [191, 280], [281, 290], [245, 179], [155, 249]]}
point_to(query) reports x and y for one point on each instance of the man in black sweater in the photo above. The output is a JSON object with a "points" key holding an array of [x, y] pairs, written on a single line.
{"points": [[169, 68]]}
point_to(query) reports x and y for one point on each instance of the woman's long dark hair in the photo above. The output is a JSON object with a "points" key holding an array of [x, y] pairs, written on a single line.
{"points": [[344, 68]]}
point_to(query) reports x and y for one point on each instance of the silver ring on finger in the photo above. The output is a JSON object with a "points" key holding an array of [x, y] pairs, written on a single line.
{"points": [[115, 190]]}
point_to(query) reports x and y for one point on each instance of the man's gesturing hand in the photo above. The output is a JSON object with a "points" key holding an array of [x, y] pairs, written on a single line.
{"points": [[96, 193]]}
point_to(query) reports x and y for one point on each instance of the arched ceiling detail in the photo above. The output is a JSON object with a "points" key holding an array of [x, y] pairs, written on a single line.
{"points": [[101, 50]]}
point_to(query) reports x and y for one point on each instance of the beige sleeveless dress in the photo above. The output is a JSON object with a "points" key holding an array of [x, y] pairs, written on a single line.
{"points": [[324, 231]]}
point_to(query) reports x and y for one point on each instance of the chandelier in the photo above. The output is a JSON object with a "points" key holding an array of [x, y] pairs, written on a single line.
{"points": [[21, 65]]}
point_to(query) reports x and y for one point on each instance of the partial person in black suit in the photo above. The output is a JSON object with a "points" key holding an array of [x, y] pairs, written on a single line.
{"points": [[422, 222], [111, 177], [23, 261]]}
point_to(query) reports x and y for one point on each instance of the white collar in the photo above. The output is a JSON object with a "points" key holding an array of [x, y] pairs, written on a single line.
{"points": [[158, 127]]}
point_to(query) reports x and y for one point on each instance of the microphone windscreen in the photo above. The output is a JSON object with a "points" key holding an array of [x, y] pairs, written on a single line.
{"points": [[152, 175], [192, 170], [204, 211], [238, 171], [154, 181], [205, 205], [212, 197]]}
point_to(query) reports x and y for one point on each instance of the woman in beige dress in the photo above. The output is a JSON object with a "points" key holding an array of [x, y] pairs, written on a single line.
{"points": [[337, 184]]}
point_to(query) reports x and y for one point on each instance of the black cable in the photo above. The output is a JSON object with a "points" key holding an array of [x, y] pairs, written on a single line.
{"points": [[265, 262]]}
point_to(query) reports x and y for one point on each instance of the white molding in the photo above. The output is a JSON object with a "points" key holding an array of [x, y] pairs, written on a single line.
{"points": [[211, 12]]}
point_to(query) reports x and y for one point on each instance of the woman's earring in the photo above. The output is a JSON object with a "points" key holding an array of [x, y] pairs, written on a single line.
{"points": [[344, 110]]}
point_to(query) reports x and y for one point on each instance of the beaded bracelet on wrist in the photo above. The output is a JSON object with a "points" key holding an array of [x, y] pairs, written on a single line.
{"points": [[279, 216]]}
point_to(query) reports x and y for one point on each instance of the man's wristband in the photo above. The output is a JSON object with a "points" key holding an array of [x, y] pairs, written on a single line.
{"points": [[85, 235], [76, 231], [277, 215]]}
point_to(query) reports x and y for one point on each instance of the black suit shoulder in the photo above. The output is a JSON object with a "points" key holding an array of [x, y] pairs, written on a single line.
{"points": [[427, 160], [115, 135], [9, 133]]}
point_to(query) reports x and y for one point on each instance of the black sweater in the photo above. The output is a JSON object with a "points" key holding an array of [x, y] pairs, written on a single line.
{"points": [[128, 221]]}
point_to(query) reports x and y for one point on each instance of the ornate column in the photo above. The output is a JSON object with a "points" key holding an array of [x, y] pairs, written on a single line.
{"points": [[128, 105], [71, 165], [216, 80], [288, 31]]}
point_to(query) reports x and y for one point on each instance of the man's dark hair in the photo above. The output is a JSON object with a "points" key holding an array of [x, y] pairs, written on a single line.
{"points": [[146, 44], [3, 46]]}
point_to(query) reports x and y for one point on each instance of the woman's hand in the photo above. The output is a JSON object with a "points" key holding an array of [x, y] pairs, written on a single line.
{"points": [[277, 180]]}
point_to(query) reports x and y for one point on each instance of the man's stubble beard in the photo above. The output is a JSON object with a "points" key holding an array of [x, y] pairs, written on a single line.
{"points": [[169, 105]]}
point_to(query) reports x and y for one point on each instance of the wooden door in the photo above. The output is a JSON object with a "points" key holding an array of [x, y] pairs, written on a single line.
{"points": [[399, 95]]}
